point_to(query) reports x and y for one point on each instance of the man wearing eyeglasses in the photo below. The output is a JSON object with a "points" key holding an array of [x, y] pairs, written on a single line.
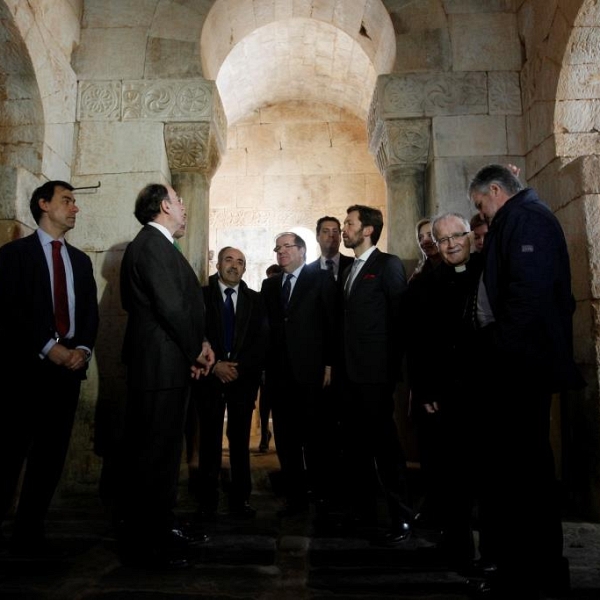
{"points": [[438, 306], [300, 309]]}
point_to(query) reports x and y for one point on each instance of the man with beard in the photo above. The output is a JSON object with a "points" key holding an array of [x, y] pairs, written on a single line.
{"points": [[373, 348]]}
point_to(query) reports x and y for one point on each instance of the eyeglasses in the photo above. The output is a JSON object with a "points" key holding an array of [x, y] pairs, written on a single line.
{"points": [[180, 199], [454, 237], [284, 247]]}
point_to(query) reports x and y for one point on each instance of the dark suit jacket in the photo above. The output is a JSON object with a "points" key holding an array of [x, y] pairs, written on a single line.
{"points": [[250, 335], [164, 302], [303, 336], [372, 335], [345, 261], [26, 305]]}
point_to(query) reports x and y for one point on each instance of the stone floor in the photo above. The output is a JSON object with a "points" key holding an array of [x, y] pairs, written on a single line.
{"points": [[265, 558]]}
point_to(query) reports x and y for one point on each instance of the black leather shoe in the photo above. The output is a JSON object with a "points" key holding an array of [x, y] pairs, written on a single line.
{"points": [[477, 569], [398, 534], [243, 510], [181, 539]]}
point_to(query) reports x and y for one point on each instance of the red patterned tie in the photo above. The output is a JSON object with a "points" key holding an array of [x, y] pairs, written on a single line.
{"points": [[61, 300]]}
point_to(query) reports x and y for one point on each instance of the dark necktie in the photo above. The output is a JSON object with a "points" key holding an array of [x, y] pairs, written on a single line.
{"points": [[286, 290], [229, 321], [177, 245], [61, 299], [329, 264]]}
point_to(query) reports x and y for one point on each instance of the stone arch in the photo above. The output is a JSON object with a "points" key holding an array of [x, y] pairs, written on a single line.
{"points": [[21, 126], [297, 51], [37, 110]]}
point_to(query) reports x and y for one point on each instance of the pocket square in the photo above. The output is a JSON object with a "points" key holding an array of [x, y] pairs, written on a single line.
{"points": [[369, 276]]}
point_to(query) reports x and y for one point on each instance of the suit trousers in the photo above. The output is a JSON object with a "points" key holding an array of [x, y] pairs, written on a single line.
{"points": [[373, 451], [299, 437], [519, 490], [153, 444], [35, 430], [211, 402]]}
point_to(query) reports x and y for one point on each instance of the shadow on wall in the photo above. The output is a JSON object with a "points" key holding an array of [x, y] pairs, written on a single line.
{"points": [[110, 405]]}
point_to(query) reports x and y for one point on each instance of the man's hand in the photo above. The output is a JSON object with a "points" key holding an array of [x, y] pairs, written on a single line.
{"points": [[226, 371], [204, 361], [327, 377], [70, 359]]}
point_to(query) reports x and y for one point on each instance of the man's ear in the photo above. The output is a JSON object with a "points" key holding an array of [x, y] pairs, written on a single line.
{"points": [[368, 230], [43, 204]]}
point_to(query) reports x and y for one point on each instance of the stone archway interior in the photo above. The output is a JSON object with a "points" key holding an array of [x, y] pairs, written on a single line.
{"points": [[296, 84]]}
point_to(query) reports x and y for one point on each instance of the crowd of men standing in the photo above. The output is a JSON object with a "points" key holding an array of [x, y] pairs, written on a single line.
{"points": [[327, 342]]}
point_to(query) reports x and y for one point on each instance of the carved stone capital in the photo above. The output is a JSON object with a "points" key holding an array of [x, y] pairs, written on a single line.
{"points": [[402, 142], [192, 147]]}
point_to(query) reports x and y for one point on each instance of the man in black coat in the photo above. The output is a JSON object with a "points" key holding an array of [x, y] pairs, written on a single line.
{"points": [[36, 424], [232, 384], [164, 349], [524, 313], [300, 305]]}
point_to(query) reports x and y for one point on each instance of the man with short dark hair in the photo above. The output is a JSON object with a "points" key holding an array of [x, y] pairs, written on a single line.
{"points": [[329, 238], [373, 349], [45, 349], [164, 349]]}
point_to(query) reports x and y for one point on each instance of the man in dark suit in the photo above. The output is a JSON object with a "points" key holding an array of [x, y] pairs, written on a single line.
{"points": [[300, 310], [164, 349], [373, 346], [239, 346], [329, 238], [48, 358]]}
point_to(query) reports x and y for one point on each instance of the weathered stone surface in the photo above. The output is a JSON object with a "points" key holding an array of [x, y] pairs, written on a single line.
{"points": [[485, 42], [469, 136]]}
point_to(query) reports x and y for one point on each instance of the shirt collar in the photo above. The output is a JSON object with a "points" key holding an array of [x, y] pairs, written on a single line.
{"points": [[163, 230]]}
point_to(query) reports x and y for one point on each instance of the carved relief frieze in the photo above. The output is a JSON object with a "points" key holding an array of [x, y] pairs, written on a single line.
{"points": [[505, 93], [419, 95], [99, 101], [168, 100]]}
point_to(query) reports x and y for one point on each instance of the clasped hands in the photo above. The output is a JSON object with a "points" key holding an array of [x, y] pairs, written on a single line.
{"points": [[72, 359], [204, 362]]}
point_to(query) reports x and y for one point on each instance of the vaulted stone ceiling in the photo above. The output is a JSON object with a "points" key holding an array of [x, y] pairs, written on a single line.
{"points": [[262, 52]]}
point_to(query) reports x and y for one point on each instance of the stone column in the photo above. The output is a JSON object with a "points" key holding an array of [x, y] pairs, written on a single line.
{"points": [[194, 153], [400, 147]]}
